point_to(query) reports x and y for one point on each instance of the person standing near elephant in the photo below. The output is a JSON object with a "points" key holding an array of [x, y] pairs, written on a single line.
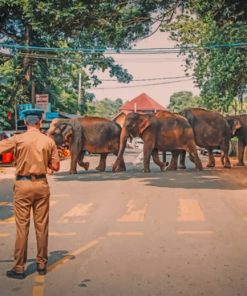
{"points": [[35, 154]]}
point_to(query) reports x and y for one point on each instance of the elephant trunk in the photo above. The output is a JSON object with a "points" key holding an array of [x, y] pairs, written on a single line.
{"points": [[122, 145]]}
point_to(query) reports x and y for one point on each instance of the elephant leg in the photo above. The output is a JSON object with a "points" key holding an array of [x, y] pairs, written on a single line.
{"points": [[155, 155], [73, 163], [225, 149], [102, 163], [120, 166], [182, 159], [147, 151], [241, 147], [85, 165], [194, 157], [174, 161], [211, 160]]}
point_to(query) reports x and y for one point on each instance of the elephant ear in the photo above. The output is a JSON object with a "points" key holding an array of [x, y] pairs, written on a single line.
{"points": [[67, 132], [234, 124], [144, 124]]}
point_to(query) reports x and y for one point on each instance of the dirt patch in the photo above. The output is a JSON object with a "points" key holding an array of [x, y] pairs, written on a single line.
{"points": [[235, 175]]}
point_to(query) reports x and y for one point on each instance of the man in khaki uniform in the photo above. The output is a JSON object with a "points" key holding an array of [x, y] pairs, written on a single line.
{"points": [[35, 154]]}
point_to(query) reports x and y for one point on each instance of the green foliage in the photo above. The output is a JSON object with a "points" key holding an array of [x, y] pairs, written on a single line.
{"points": [[219, 72], [70, 24], [182, 100], [105, 108]]}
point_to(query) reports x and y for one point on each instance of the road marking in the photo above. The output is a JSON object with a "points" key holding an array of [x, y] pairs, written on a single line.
{"points": [[125, 234], [62, 233], [4, 234], [52, 203], [60, 195], [73, 254], [9, 220], [39, 286], [189, 210], [194, 232], [77, 214], [134, 213], [38, 290], [5, 203]]}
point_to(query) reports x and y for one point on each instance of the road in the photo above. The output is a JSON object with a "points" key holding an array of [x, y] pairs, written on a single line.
{"points": [[130, 234]]}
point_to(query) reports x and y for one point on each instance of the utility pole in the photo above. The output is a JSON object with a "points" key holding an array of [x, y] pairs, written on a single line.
{"points": [[32, 83], [79, 94]]}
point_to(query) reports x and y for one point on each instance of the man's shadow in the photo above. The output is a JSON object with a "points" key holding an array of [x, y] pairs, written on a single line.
{"points": [[53, 257]]}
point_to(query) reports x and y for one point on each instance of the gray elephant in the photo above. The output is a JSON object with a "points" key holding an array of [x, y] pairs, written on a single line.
{"points": [[162, 131], [211, 131], [93, 134], [241, 133]]}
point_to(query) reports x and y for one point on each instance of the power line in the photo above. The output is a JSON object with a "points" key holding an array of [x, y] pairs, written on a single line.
{"points": [[141, 85], [121, 51], [150, 79]]}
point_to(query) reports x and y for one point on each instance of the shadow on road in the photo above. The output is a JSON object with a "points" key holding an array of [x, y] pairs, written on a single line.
{"points": [[217, 178]]}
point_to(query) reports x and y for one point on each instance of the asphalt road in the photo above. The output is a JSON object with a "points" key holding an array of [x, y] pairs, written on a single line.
{"points": [[130, 234]]}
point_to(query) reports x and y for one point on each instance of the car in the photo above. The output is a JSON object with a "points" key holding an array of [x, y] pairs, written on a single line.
{"points": [[3, 135], [138, 144], [6, 158], [216, 151]]}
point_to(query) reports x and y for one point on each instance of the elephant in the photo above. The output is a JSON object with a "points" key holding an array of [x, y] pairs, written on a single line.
{"points": [[211, 131], [241, 133], [93, 134], [159, 132]]}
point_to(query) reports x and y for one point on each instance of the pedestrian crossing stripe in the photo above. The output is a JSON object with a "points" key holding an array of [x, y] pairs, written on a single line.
{"points": [[11, 219], [134, 212], [77, 214], [189, 210], [5, 203], [3, 234]]}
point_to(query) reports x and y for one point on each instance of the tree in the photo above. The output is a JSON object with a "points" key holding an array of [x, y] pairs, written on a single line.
{"points": [[220, 71], [105, 108], [182, 100], [77, 24]]}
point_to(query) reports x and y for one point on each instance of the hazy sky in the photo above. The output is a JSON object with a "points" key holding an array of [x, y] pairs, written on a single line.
{"points": [[148, 66]]}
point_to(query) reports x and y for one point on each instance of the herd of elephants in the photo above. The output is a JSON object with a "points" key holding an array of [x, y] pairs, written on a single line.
{"points": [[161, 131]]}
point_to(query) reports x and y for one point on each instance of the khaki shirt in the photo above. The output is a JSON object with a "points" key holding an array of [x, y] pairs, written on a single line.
{"points": [[33, 152]]}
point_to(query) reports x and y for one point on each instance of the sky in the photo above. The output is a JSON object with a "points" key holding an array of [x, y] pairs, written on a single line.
{"points": [[148, 66]]}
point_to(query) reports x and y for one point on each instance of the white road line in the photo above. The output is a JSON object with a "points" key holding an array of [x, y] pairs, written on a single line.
{"points": [[189, 210], [11, 219], [77, 214], [194, 232], [137, 233], [62, 233], [134, 212]]}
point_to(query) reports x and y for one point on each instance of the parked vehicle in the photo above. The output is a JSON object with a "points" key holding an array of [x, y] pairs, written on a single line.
{"points": [[8, 157], [216, 152]]}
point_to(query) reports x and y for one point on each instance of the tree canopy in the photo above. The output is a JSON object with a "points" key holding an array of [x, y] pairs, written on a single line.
{"points": [[182, 100], [105, 108], [207, 32], [62, 39], [69, 25]]}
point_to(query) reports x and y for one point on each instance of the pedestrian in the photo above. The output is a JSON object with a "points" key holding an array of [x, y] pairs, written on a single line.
{"points": [[35, 154]]}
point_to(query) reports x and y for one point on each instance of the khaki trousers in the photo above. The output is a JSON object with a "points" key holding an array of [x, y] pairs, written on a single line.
{"points": [[31, 195]]}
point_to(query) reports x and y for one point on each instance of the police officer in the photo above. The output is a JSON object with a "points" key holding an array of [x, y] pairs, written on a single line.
{"points": [[35, 154]]}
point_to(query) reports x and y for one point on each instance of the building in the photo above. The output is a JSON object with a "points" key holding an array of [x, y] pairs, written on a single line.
{"points": [[141, 104]]}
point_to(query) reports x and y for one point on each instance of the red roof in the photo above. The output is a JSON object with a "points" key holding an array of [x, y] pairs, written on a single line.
{"points": [[142, 103]]}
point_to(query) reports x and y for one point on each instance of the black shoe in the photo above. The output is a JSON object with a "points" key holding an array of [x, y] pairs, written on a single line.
{"points": [[42, 271], [15, 275]]}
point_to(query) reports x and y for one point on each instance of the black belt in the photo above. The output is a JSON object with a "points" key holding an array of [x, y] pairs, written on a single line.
{"points": [[32, 177]]}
